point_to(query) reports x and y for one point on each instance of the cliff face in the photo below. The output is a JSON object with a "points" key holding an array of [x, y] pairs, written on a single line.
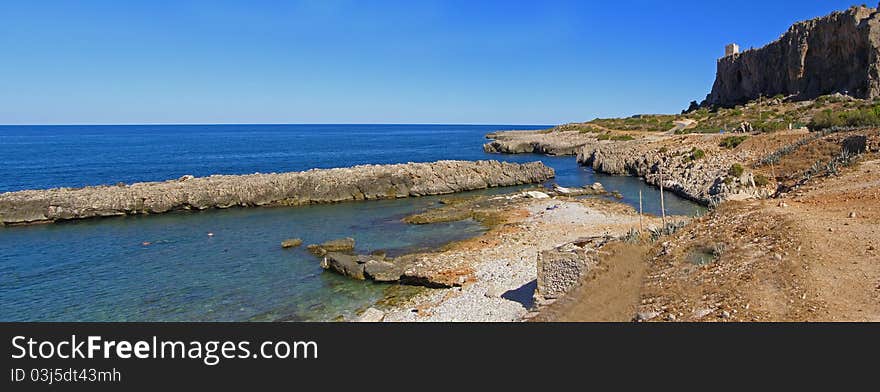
{"points": [[835, 53]]}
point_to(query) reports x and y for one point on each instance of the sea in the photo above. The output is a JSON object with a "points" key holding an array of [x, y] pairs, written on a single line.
{"points": [[99, 269]]}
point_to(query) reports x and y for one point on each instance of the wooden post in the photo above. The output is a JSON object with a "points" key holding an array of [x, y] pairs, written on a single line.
{"points": [[662, 204], [640, 210]]}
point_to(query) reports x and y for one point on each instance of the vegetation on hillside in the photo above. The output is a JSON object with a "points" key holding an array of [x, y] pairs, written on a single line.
{"points": [[857, 117], [642, 122], [762, 115], [732, 141]]}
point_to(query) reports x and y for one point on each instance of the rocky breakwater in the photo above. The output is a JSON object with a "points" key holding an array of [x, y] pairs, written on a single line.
{"points": [[364, 182], [839, 52], [693, 166], [538, 142]]}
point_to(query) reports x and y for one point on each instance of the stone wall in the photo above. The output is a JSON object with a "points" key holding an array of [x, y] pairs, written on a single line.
{"points": [[560, 269]]}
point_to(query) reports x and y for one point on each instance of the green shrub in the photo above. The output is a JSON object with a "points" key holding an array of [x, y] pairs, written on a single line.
{"points": [[761, 180], [604, 136], [732, 141], [622, 137], [829, 118], [697, 153], [736, 170]]}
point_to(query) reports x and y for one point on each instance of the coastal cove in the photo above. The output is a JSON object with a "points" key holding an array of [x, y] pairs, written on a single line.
{"points": [[240, 273]]}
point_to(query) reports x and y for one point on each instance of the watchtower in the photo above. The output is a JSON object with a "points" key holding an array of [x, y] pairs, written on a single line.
{"points": [[731, 49]]}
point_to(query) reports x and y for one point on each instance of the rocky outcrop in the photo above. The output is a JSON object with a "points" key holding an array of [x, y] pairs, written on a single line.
{"points": [[296, 188], [537, 142], [693, 166], [837, 53], [291, 243], [343, 245]]}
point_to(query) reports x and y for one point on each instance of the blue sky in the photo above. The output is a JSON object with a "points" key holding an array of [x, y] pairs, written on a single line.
{"points": [[491, 62]]}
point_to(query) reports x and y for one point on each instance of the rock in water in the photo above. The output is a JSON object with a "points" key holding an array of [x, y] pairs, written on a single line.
{"points": [[344, 245], [344, 264], [366, 182], [291, 243]]}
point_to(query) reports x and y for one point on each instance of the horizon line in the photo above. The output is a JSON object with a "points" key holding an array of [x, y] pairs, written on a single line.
{"points": [[319, 123]]}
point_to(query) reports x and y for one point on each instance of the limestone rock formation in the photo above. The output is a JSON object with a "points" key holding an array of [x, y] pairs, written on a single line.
{"points": [[342, 245], [538, 142], [837, 53], [701, 180], [296, 188]]}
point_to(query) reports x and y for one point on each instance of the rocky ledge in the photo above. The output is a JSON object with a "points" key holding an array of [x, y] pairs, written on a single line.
{"points": [[364, 182], [538, 142], [693, 166]]}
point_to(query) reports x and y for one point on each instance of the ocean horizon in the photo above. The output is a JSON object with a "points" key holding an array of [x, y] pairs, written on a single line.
{"points": [[98, 270]]}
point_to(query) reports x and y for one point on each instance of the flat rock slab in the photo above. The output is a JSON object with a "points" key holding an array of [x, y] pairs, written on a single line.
{"points": [[364, 182]]}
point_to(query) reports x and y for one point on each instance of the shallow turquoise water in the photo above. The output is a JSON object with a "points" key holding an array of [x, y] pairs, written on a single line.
{"points": [[98, 270]]}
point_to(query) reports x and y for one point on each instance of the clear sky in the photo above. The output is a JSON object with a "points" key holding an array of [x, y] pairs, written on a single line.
{"points": [[328, 61]]}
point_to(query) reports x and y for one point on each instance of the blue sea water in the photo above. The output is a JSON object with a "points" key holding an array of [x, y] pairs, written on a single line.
{"points": [[98, 270]]}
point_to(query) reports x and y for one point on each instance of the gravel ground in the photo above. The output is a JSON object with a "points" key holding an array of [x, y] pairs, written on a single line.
{"points": [[506, 264]]}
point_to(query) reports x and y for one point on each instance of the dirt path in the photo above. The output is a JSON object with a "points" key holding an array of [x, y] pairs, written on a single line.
{"points": [[811, 256], [840, 220], [610, 291]]}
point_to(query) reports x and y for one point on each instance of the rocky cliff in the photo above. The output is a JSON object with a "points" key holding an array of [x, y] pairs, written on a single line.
{"points": [[831, 54], [296, 188]]}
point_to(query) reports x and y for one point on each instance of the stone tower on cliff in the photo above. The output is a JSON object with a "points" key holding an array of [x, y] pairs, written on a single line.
{"points": [[731, 49], [837, 53]]}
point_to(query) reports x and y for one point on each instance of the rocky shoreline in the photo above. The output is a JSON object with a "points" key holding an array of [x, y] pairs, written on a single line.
{"points": [[537, 142], [501, 277], [693, 166], [365, 182]]}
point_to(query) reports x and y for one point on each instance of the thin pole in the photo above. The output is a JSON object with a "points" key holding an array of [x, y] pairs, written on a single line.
{"points": [[640, 210], [662, 204]]}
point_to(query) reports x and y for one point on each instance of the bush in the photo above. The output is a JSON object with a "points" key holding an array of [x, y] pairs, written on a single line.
{"points": [[829, 118], [736, 170], [761, 180], [732, 141], [697, 153], [622, 137]]}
